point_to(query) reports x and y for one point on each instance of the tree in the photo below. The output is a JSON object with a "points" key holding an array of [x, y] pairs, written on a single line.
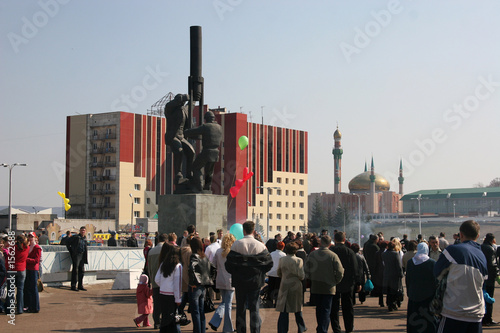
{"points": [[495, 182], [317, 215], [330, 218], [341, 216]]}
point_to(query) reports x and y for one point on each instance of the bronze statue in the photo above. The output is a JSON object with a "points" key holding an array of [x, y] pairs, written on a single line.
{"points": [[211, 138], [178, 120]]}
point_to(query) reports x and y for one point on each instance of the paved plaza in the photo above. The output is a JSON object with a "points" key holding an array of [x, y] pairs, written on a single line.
{"points": [[101, 309]]}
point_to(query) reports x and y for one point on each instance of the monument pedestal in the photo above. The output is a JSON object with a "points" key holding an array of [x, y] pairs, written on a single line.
{"points": [[208, 212]]}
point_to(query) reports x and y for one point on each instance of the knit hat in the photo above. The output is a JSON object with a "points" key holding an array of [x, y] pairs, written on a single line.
{"points": [[143, 279]]}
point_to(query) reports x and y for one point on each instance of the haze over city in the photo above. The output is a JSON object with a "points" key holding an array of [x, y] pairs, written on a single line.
{"points": [[416, 81]]}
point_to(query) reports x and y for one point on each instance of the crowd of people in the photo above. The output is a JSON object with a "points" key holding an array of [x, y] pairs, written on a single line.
{"points": [[449, 288]]}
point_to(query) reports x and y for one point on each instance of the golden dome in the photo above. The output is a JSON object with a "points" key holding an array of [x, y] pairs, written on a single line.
{"points": [[337, 134], [361, 183]]}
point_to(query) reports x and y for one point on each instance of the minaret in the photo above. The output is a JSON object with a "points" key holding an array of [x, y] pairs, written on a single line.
{"points": [[401, 179], [337, 157], [373, 198]]}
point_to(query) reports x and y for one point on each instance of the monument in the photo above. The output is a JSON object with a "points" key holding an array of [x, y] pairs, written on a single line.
{"points": [[192, 201]]}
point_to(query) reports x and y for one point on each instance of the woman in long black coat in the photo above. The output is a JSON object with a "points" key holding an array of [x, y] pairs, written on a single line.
{"points": [[421, 286], [378, 274], [393, 275]]}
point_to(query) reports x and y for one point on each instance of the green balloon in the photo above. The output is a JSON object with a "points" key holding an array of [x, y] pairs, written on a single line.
{"points": [[243, 142]]}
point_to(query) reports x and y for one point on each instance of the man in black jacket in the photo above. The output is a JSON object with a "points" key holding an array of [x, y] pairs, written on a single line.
{"points": [[489, 284], [345, 288], [247, 262], [132, 241], [77, 247]]}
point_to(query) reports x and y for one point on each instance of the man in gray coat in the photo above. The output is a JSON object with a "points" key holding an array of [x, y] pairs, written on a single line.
{"points": [[324, 269]]}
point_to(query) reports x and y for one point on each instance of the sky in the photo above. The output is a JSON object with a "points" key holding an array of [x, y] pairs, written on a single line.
{"points": [[417, 81]]}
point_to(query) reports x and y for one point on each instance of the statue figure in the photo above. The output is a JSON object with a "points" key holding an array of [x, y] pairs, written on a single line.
{"points": [[211, 138], [178, 120]]}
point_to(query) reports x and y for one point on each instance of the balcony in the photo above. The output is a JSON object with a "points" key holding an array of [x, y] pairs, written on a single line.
{"points": [[103, 150], [102, 192], [110, 163], [96, 164], [101, 178], [98, 137]]}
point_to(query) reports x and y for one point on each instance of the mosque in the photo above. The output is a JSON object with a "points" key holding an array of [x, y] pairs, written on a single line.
{"points": [[369, 191]]}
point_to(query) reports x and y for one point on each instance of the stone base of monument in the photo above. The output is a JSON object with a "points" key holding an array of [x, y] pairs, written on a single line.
{"points": [[207, 212], [127, 280]]}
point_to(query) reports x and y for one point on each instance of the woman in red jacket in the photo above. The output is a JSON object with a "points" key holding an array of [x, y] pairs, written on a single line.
{"points": [[31, 298], [20, 250]]}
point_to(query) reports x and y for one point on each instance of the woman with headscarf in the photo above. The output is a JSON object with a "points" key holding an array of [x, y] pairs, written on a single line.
{"points": [[420, 286], [31, 298]]}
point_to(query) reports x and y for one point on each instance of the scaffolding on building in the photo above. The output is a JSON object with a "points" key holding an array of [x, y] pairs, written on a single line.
{"points": [[158, 108]]}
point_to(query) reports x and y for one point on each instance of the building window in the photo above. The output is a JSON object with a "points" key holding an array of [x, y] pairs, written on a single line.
{"points": [[94, 159], [301, 216], [293, 204], [293, 216], [261, 203], [278, 192], [108, 131], [147, 213], [293, 228], [270, 191], [95, 146], [270, 216], [301, 181], [137, 187], [94, 214], [286, 204], [108, 144], [94, 200], [270, 228], [278, 228], [107, 200], [106, 213], [278, 216], [261, 216], [286, 180], [286, 192], [137, 213], [278, 204], [301, 193], [137, 200], [94, 187], [278, 180], [301, 205], [270, 203], [286, 228], [148, 201], [293, 192], [107, 172], [293, 181], [108, 186], [108, 158], [286, 217], [95, 133]]}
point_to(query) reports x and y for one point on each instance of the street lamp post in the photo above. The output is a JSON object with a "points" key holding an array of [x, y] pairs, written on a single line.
{"points": [[419, 198], [268, 188], [11, 166], [132, 212], [359, 218]]}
